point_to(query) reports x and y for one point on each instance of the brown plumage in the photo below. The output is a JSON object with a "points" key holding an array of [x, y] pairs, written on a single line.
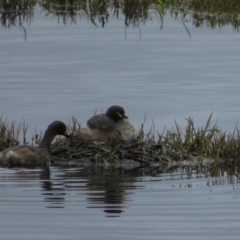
{"points": [[114, 122], [90, 135], [31, 155]]}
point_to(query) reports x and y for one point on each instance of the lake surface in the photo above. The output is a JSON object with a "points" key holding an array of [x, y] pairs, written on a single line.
{"points": [[75, 69], [110, 203]]}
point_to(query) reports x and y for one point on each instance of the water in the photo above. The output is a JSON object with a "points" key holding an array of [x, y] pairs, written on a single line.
{"points": [[107, 203], [74, 69], [64, 70]]}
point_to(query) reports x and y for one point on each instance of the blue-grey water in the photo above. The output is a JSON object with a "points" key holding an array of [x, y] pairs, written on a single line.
{"points": [[90, 203], [74, 69]]}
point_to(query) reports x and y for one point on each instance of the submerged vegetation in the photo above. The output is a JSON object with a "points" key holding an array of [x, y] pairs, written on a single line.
{"points": [[178, 144], [210, 13]]}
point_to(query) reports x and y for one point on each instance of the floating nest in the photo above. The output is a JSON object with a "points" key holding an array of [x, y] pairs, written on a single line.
{"points": [[177, 146], [145, 153]]}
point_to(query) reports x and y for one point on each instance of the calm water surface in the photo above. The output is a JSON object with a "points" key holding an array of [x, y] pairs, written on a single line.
{"points": [[74, 69], [106, 203]]}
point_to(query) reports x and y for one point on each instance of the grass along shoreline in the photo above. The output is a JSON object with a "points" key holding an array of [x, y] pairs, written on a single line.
{"points": [[174, 145]]}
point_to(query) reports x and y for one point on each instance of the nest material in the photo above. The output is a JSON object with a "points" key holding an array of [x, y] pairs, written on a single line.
{"points": [[193, 144], [143, 152], [106, 152]]}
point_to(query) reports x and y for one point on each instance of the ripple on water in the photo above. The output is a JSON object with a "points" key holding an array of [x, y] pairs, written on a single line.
{"points": [[119, 203]]}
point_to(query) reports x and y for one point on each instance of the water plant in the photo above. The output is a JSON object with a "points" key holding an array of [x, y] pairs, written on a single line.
{"points": [[209, 141], [210, 13], [9, 133], [176, 144]]}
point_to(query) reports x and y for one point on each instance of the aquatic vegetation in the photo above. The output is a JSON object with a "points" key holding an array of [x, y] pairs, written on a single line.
{"points": [[16, 12], [210, 13], [209, 141], [176, 144], [9, 134]]}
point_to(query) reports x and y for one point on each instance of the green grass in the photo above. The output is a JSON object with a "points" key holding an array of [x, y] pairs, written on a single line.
{"points": [[178, 143], [9, 134], [208, 141]]}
